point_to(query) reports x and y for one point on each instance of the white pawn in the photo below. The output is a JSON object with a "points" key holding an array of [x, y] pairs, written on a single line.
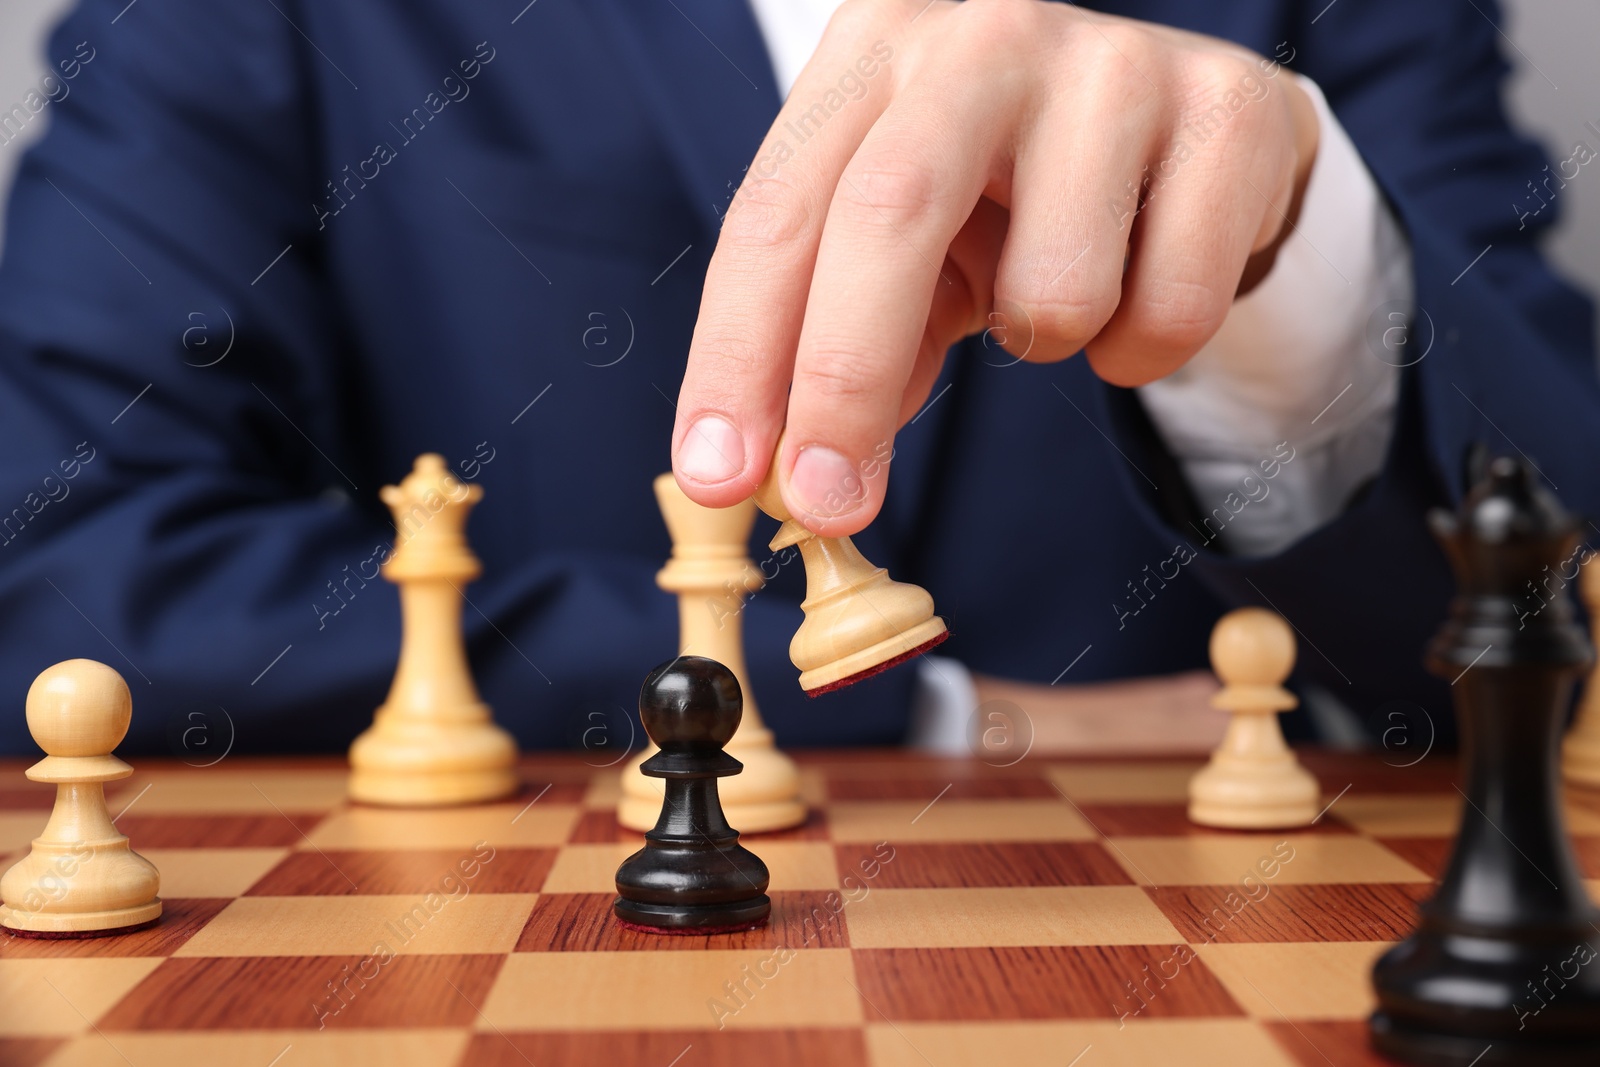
{"points": [[80, 877], [1253, 781]]}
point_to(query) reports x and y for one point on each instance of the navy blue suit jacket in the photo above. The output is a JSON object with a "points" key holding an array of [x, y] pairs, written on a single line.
{"points": [[268, 253]]}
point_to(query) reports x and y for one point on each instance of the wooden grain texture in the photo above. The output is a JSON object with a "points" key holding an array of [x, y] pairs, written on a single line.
{"points": [[736, 989], [28, 798], [1427, 854], [181, 919], [284, 992], [346, 872], [1317, 1043], [685, 1048], [1063, 982], [1289, 913], [1392, 770], [218, 831], [1299, 980], [976, 863], [27, 1051], [914, 973], [926, 789], [583, 922], [1016, 916]]}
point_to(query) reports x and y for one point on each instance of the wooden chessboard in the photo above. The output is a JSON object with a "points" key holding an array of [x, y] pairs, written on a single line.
{"points": [[931, 912]]}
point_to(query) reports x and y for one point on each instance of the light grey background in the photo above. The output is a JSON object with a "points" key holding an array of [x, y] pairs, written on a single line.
{"points": [[1555, 90]]}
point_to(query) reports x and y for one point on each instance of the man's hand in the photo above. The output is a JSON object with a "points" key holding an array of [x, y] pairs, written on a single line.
{"points": [[1068, 179], [1169, 713]]}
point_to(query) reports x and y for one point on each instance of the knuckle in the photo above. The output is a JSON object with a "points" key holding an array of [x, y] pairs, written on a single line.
{"points": [[768, 213], [1178, 316], [1058, 319], [726, 356], [854, 20], [1108, 64], [1124, 45], [1004, 20], [895, 188], [842, 373], [1220, 84]]}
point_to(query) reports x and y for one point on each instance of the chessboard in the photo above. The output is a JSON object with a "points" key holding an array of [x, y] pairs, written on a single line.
{"points": [[930, 912]]}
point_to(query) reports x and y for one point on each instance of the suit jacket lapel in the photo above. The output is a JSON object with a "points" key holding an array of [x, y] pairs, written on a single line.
{"points": [[703, 72]]}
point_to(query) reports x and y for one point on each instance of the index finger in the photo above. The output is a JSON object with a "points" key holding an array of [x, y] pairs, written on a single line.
{"points": [[735, 387], [899, 204]]}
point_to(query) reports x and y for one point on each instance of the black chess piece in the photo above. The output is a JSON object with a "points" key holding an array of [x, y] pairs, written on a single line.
{"points": [[692, 876], [1502, 968]]}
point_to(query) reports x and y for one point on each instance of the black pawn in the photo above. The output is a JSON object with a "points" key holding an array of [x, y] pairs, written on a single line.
{"points": [[692, 876], [1502, 966]]}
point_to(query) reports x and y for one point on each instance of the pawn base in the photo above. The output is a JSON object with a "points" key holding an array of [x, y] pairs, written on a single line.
{"points": [[873, 659], [1454, 995], [406, 763], [1252, 816], [79, 924], [416, 790], [1434, 1048], [690, 919], [1236, 794]]}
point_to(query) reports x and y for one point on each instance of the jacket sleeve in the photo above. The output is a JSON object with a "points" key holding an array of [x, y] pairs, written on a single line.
{"points": [[1499, 350], [184, 491]]}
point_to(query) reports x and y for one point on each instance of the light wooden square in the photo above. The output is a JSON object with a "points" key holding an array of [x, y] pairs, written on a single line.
{"points": [[1222, 860], [220, 791], [279, 1048], [1142, 1043], [211, 872], [502, 825], [1125, 783], [1435, 815], [673, 990], [793, 865], [974, 918], [1320, 980], [356, 925], [54, 997], [945, 820], [605, 789]]}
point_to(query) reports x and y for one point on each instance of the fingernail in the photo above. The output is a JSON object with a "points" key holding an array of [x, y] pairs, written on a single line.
{"points": [[712, 451], [825, 483]]}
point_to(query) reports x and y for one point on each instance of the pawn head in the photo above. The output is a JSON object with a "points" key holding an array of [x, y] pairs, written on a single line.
{"points": [[79, 708], [691, 705], [1252, 646]]}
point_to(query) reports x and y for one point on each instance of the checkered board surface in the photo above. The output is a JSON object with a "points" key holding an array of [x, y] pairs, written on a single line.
{"points": [[930, 912]]}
